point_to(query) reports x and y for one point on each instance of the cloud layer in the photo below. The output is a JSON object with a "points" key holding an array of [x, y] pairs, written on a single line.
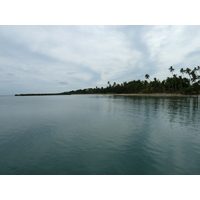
{"points": [[62, 58]]}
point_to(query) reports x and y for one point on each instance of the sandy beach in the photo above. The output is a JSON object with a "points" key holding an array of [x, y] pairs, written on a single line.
{"points": [[157, 94]]}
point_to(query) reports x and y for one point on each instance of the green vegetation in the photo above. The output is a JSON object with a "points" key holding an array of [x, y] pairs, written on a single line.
{"points": [[188, 85], [42, 94], [174, 85]]}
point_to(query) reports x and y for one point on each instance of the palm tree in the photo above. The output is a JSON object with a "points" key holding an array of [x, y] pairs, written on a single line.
{"points": [[114, 84], [180, 82], [182, 71], [147, 77], [156, 84], [193, 79], [194, 76], [175, 77], [171, 69], [198, 68], [188, 70]]}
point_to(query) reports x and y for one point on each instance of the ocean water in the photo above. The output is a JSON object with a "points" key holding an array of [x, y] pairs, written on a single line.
{"points": [[99, 135]]}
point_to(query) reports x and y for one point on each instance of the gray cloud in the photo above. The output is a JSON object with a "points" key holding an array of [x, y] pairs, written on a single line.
{"points": [[63, 82], [63, 58], [10, 74]]}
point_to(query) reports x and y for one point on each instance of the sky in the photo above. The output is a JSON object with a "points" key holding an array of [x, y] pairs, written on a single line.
{"points": [[59, 58], [37, 59]]}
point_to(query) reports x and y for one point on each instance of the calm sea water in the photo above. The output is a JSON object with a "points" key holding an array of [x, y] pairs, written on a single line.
{"points": [[99, 134]]}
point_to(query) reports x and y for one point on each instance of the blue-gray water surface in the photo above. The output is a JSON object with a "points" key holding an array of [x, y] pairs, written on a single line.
{"points": [[99, 134]]}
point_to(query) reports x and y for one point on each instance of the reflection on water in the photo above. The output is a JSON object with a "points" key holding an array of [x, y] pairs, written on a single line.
{"points": [[99, 134]]}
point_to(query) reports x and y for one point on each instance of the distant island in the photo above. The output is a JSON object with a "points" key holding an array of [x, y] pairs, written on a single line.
{"points": [[182, 85], [41, 94]]}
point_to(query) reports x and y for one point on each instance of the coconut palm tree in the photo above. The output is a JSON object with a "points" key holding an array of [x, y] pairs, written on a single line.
{"points": [[188, 70], [175, 77], [147, 77], [194, 76], [198, 68], [171, 69], [182, 71], [114, 84]]}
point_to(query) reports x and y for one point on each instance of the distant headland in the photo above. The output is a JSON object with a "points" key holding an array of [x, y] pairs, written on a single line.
{"points": [[42, 94]]}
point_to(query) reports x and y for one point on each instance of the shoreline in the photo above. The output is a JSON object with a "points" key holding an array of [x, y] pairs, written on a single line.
{"points": [[131, 94], [158, 94], [153, 94]]}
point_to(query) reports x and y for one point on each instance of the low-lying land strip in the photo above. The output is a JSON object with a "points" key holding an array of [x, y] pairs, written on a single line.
{"points": [[171, 86], [131, 94]]}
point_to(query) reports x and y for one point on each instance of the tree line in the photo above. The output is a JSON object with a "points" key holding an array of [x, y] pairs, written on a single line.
{"points": [[187, 82]]}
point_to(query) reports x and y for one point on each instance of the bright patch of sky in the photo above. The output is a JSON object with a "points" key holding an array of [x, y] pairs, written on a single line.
{"points": [[36, 59]]}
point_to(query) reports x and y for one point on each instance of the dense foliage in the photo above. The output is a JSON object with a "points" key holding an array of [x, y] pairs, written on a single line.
{"points": [[188, 82]]}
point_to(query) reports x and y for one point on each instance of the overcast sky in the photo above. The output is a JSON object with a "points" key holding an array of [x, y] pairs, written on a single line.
{"points": [[42, 59]]}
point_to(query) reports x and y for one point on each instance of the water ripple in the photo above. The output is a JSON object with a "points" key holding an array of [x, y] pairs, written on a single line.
{"points": [[108, 135]]}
